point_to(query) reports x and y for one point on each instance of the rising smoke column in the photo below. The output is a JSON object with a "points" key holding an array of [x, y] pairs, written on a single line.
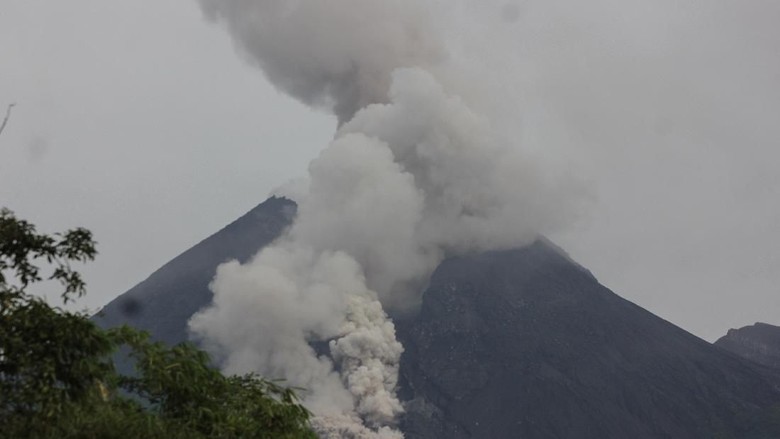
{"points": [[412, 175]]}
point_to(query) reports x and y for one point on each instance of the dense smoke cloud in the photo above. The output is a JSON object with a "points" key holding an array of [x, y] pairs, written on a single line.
{"points": [[413, 174], [336, 54]]}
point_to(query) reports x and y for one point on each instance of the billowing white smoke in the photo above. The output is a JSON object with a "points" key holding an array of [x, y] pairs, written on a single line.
{"points": [[412, 175]]}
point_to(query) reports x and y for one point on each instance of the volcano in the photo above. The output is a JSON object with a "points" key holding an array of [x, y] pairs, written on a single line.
{"points": [[515, 343]]}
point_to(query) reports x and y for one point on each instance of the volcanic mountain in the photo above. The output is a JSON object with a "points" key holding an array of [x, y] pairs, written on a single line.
{"points": [[517, 343]]}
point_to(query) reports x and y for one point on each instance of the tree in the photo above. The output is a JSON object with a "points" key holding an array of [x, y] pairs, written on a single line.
{"points": [[57, 378]]}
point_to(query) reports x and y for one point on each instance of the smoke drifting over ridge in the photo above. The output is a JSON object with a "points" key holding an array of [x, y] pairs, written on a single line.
{"points": [[414, 173]]}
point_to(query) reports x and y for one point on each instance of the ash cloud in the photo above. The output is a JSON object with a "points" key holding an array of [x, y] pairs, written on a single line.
{"points": [[414, 173], [336, 55]]}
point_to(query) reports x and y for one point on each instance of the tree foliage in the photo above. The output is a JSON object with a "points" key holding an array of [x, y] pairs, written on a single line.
{"points": [[57, 377]]}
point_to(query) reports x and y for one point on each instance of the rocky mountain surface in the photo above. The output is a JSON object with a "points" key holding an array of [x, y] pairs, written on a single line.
{"points": [[759, 343], [518, 343]]}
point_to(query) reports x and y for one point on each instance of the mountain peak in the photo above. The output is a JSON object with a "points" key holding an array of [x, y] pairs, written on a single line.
{"points": [[759, 343]]}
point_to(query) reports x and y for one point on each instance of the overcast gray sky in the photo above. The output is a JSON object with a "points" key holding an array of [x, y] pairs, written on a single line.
{"points": [[139, 121]]}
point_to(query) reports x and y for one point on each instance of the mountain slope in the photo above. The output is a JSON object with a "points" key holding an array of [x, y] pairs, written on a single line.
{"points": [[164, 302], [525, 343], [759, 343], [518, 343]]}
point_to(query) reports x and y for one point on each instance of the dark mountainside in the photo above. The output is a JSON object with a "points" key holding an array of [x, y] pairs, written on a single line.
{"points": [[518, 343], [759, 343], [164, 302], [525, 343]]}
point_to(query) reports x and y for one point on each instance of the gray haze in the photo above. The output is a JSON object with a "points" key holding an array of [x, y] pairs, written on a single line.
{"points": [[138, 121]]}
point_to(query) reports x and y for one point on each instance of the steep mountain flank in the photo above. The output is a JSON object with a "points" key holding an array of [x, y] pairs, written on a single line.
{"points": [[163, 303]]}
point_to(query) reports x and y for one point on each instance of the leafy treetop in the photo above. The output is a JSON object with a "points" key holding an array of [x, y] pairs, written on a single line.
{"points": [[57, 377]]}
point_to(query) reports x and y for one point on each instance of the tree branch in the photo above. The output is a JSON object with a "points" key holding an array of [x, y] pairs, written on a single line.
{"points": [[7, 115]]}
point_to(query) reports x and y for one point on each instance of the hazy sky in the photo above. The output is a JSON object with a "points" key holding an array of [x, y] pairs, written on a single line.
{"points": [[139, 121]]}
